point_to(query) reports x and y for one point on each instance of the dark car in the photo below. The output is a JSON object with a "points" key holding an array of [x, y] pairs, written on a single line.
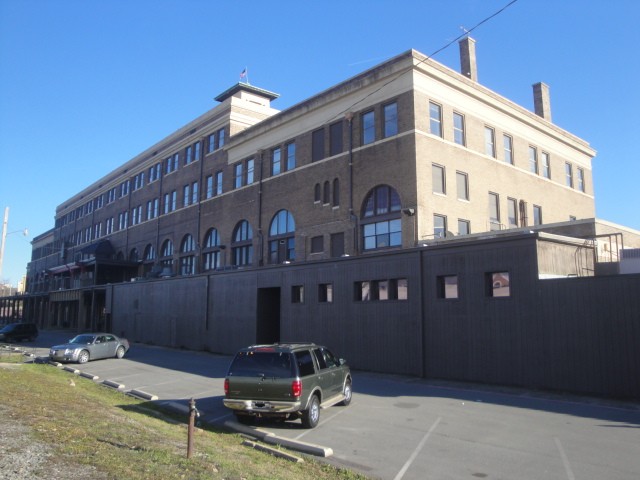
{"points": [[286, 381], [15, 332], [90, 346]]}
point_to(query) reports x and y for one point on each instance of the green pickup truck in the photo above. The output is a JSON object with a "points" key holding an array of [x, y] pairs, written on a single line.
{"points": [[286, 381]]}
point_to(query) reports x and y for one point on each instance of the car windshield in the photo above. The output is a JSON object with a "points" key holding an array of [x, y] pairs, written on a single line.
{"points": [[82, 339], [9, 328], [262, 364]]}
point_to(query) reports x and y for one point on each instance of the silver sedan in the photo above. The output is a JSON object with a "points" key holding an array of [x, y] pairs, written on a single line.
{"points": [[90, 346]]}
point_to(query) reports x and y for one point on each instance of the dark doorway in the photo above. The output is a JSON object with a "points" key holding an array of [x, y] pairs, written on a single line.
{"points": [[268, 321]]}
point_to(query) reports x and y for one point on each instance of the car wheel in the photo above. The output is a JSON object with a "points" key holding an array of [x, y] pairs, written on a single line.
{"points": [[120, 352], [83, 357], [348, 393], [311, 417]]}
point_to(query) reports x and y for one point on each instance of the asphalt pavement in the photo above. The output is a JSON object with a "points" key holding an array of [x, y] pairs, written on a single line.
{"points": [[404, 428]]}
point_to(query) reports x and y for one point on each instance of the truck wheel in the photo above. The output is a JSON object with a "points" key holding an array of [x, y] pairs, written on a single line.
{"points": [[311, 417], [348, 393]]}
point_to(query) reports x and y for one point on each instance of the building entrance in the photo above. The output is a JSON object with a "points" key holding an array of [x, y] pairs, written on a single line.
{"points": [[268, 315]]}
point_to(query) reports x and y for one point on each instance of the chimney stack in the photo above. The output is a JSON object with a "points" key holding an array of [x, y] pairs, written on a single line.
{"points": [[468, 66], [542, 100]]}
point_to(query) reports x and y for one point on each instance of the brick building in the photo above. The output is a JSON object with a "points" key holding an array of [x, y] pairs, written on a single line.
{"points": [[365, 205]]}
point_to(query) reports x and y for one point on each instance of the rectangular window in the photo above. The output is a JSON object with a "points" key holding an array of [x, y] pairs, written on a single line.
{"points": [[317, 145], [368, 127], [383, 290], [435, 119], [537, 215], [219, 182], [533, 160], [188, 155], [494, 211], [490, 141], [209, 183], [464, 227], [187, 195], [250, 164], [458, 129], [507, 143], [438, 179], [335, 138], [580, 179], [512, 205], [196, 151], [447, 286], [439, 226], [325, 292], [238, 175], [568, 174], [390, 112], [275, 161], [317, 244], [194, 192], [291, 155], [297, 294], [462, 181], [546, 165], [497, 284], [211, 142]]}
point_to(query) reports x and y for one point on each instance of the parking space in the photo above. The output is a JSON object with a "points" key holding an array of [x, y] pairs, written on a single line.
{"points": [[405, 428]]}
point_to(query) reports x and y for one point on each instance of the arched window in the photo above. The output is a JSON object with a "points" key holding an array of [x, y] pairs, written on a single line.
{"points": [[149, 252], [187, 258], [242, 246], [326, 192], [380, 219], [166, 253], [316, 193], [211, 251], [282, 237], [336, 192], [134, 256]]}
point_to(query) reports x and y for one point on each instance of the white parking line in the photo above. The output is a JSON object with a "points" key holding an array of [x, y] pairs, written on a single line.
{"points": [[415, 453], [565, 460]]}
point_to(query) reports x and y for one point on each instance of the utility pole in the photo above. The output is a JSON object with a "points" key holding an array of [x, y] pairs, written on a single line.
{"points": [[4, 236]]}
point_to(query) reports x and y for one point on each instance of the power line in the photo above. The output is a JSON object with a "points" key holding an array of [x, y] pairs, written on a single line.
{"points": [[428, 57]]}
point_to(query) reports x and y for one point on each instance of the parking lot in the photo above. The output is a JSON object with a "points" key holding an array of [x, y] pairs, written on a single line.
{"points": [[407, 428]]}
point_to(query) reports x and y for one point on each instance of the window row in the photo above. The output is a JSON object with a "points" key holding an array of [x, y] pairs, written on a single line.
{"points": [[496, 284], [363, 291], [539, 162]]}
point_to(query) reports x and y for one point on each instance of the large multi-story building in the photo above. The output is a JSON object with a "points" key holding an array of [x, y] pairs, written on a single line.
{"points": [[361, 205], [406, 151]]}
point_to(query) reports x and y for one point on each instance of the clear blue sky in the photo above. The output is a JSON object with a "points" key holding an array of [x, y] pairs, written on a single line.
{"points": [[87, 85]]}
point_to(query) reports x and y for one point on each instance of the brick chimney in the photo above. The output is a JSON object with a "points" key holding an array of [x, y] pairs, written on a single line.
{"points": [[468, 65], [542, 100]]}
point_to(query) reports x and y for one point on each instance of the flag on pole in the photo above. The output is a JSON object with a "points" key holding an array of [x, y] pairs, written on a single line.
{"points": [[243, 74]]}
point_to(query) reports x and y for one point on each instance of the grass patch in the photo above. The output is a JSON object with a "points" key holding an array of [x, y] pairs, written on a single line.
{"points": [[123, 437]]}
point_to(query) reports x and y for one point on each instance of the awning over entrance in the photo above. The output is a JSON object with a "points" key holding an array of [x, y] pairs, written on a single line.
{"points": [[63, 268], [102, 249]]}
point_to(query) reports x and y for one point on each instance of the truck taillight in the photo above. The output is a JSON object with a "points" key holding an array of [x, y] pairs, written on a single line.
{"points": [[296, 388], [226, 387]]}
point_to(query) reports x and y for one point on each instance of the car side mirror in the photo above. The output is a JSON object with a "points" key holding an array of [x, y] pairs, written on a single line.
{"points": [[342, 361]]}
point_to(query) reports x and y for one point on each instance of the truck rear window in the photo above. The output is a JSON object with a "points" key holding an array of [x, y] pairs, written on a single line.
{"points": [[259, 364]]}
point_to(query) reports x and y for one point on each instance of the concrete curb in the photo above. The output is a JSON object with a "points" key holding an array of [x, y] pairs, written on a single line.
{"points": [[273, 439], [112, 384], [143, 395], [273, 451], [90, 376]]}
